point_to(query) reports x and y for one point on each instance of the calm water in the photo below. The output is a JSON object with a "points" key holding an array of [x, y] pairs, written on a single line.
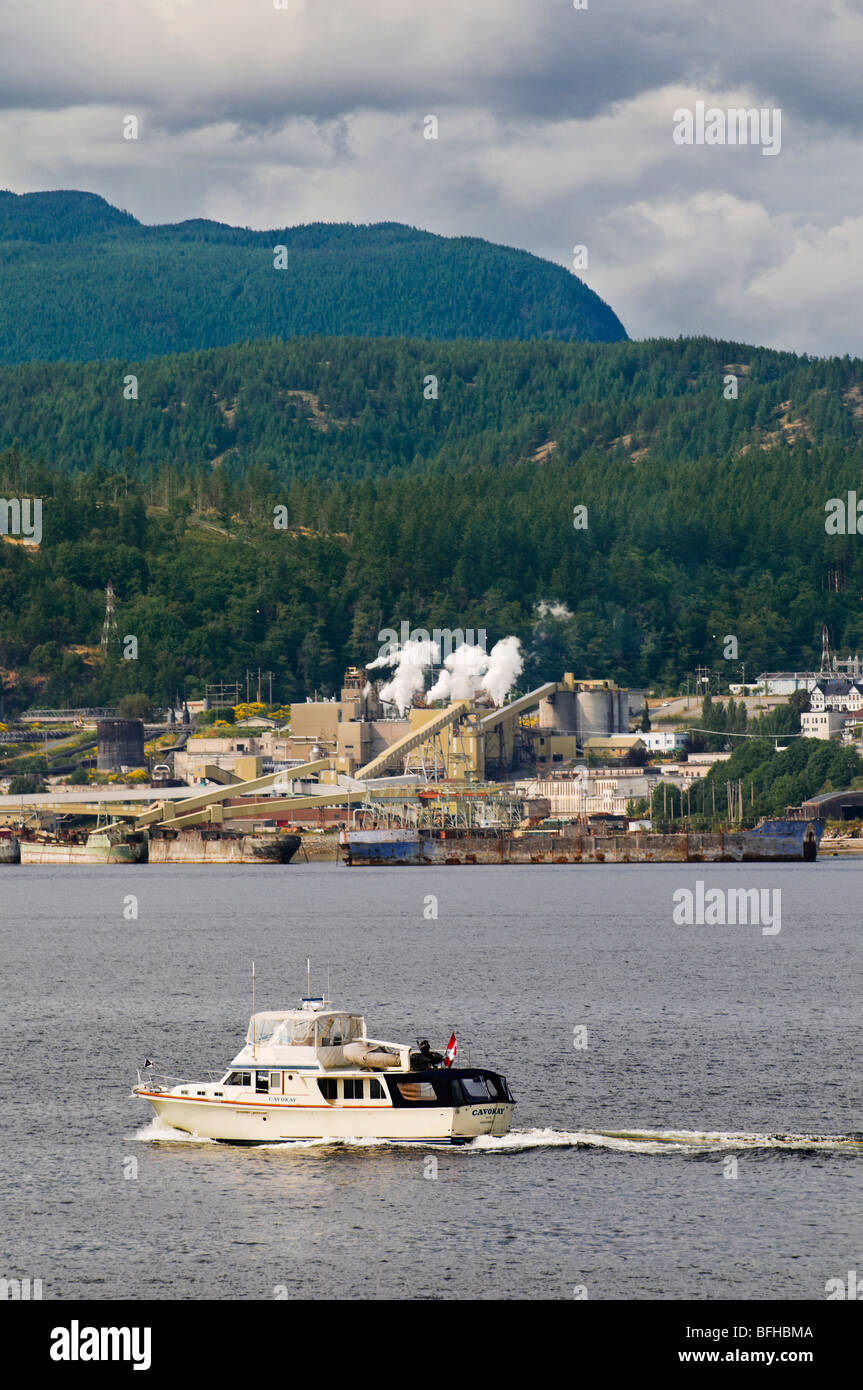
{"points": [[697, 1029]]}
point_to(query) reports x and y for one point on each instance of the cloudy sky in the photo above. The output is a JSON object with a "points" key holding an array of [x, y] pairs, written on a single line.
{"points": [[555, 128]]}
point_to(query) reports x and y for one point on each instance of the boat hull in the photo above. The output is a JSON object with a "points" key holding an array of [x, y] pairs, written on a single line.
{"points": [[34, 852], [197, 847], [770, 842], [272, 1123], [9, 850]]}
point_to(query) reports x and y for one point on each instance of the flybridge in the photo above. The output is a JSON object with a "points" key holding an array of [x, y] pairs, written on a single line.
{"points": [[316, 1024]]}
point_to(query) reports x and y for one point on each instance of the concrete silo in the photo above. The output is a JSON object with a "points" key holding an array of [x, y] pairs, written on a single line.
{"points": [[596, 710]]}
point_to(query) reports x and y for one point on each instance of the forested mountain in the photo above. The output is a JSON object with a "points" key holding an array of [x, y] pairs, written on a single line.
{"points": [[705, 515], [81, 280], [335, 408]]}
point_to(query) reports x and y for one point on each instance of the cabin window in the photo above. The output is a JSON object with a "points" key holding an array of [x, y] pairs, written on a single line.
{"points": [[263, 1081], [475, 1088], [376, 1090], [263, 1028], [329, 1088], [300, 1032], [338, 1030], [239, 1078], [276, 1081], [417, 1090], [353, 1090]]}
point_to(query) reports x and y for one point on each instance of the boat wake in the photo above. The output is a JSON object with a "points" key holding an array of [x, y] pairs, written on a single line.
{"points": [[157, 1132], [652, 1141], [642, 1141]]}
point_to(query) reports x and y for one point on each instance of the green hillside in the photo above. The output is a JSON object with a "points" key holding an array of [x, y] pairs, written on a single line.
{"points": [[706, 515], [81, 280]]}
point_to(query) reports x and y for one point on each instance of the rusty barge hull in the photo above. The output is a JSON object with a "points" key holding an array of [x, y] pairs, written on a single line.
{"points": [[388, 848]]}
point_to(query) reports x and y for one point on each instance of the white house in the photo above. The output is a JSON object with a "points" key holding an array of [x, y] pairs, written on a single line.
{"points": [[822, 724], [785, 682], [839, 695], [664, 740]]}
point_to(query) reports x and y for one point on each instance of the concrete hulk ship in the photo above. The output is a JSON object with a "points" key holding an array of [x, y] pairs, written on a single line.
{"points": [[219, 847], [115, 845], [105, 845]]}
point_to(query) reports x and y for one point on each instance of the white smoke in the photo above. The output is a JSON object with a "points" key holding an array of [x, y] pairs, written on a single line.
{"points": [[441, 688], [470, 671], [411, 661], [505, 665], [552, 609], [467, 672], [466, 666]]}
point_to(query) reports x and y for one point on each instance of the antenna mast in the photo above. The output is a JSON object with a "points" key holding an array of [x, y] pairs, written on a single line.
{"points": [[254, 1054]]}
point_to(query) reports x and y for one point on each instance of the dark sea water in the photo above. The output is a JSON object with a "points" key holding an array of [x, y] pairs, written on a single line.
{"points": [[737, 1045]]}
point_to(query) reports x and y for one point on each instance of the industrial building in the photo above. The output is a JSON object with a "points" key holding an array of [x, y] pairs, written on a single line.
{"points": [[842, 805], [587, 794], [469, 740]]}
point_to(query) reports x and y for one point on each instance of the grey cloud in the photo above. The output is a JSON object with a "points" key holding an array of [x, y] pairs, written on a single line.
{"points": [[539, 59], [555, 130]]}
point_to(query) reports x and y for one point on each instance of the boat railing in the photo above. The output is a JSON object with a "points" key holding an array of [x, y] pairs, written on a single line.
{"points": [[162, 1081]]}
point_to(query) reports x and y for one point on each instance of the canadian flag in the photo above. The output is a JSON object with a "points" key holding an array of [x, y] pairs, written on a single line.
{"points": [[451, 1050]]}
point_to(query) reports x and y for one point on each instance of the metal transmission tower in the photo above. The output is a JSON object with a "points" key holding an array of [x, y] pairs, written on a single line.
{"points": [[825, 651], [109, 627]]}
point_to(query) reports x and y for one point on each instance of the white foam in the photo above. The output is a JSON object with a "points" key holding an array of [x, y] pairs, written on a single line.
{"points": [[643, 1141], [661, 1141], [158, 1131]]}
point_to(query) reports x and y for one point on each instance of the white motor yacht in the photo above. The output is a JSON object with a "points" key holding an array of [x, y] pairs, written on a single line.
{"points": [[314, 1073]]}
